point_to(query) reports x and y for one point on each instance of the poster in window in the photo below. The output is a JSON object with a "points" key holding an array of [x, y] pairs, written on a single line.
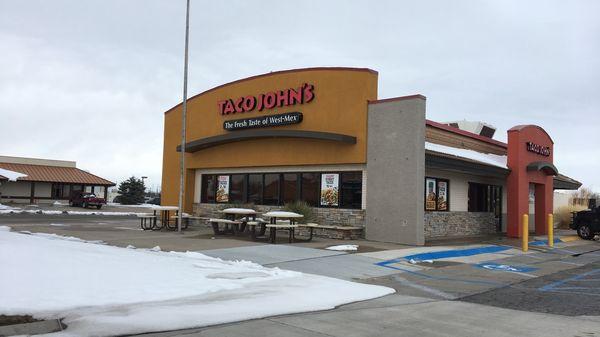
{"points": [[223, 189], [442, 204], [329, 189], [430, 195]]}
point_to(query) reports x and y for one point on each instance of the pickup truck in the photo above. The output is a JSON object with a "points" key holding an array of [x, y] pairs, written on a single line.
{"points": [[587, 222], [85, 200]]}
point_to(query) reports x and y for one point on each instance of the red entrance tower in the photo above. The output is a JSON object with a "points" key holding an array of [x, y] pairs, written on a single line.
{"points": [[530, 159]]}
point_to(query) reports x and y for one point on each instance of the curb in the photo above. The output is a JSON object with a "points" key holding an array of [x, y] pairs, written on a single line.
{"points": [[34, 328]]}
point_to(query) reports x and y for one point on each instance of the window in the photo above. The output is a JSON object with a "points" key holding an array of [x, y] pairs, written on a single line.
{"points": [[437, 194], [255, 188], [310, 188], [351, 190], [271, 195], [279, 188], [485, 198], [290, 187], [237, 188], [209, 186]]}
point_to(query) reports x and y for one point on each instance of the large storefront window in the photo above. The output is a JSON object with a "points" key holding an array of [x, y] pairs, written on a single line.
{"points": [[351, 190], [236, 188], [271, 195], [485, 198], [290, 187], [282, 188], [310, 188], [437, 194], [255, 187], [209, 187]]}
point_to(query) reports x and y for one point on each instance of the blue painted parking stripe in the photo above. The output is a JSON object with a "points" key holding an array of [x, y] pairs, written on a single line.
{"points": [[554, 286], [543, 242], [456, 253], [383, 264]]}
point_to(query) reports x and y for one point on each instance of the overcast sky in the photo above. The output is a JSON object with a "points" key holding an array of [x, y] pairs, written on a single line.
{"points": [[89, 80]]}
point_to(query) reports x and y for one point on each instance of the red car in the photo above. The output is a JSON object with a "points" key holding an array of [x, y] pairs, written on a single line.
{"points": [[85, 200]]}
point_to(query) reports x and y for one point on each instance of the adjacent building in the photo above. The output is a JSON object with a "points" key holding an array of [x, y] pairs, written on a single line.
{"points": [[321, 135], [31, 180]]}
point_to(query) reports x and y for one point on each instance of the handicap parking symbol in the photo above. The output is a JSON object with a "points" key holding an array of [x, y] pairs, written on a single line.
{"points": [[506, 267]]}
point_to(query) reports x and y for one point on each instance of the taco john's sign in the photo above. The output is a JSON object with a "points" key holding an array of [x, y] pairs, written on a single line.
{"points": [[269, 100]]}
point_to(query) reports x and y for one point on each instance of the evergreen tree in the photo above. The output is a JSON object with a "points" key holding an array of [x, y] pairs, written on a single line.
{"points": [[132, 191]]}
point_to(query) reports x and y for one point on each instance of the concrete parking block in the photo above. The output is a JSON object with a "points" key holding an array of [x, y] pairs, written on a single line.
{"points": [[346, 266], [269, 254]]}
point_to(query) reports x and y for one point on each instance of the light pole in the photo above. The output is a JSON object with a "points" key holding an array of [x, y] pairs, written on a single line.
{"points": [[183, 114]]}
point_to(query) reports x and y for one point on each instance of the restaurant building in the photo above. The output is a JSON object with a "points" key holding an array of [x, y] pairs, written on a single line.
{"points": [[321, 135], [33, 180]]}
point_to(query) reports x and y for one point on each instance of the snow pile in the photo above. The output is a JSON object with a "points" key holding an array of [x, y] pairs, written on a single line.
{"points": [[486, 158], [49, 212], [104, 290], [11, 175], [343, 247], [4, 207], [58, 203], [4, 229], [116, 204]]}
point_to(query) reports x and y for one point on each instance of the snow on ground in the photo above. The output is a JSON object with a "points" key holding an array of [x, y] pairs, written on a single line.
{"points": [[343, 247], [116, 204], [4, 207], [50, 212], [103, 290], [11, 175], [486, 158]]}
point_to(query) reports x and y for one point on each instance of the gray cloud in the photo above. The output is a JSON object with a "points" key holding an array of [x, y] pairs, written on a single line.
{"points": [[90, 80]]}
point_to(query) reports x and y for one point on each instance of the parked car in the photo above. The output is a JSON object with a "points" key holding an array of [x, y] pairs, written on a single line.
{"points": [[85, 200], [587, 222], [154, 201]]}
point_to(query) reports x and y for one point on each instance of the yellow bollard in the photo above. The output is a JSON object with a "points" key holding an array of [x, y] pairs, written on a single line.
{"points": [[550, 230], [525, 233]]}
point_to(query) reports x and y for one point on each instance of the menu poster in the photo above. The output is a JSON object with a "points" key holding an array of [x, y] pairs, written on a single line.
{"points": [[442, 196], [329, 189], [430, 195], [223, 189]]}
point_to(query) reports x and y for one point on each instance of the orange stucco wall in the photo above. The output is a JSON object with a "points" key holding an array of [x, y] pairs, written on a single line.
{"points": [[339, 106]]}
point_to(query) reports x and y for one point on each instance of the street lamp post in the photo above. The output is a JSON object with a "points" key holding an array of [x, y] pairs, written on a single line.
{"points": [[183, 115]]}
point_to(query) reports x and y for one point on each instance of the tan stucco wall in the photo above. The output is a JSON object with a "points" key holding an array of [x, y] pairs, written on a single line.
{"points": [[339, 106]]}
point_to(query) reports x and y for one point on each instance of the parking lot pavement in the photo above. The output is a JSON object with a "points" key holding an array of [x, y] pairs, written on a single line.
{"points": [[397, 315], [267, 254], [571, 292]]}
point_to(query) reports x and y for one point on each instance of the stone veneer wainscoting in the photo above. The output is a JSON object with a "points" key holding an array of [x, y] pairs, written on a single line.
{"points": [[333, 217], [440, 225]]}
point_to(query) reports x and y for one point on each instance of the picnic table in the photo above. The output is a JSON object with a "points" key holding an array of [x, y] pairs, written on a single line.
{"points": [[164, 215], [235, 220], [282, 220]]}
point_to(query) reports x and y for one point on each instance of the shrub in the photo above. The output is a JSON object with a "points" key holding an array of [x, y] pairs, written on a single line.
{"points": [[562, 215], [301, 207]]}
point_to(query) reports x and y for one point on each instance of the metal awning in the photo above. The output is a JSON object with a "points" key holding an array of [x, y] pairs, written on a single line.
{"points": [[545, 167], [237, 136], [435, 160]]}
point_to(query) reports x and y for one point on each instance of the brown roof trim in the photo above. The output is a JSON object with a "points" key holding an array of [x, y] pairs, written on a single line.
{"points": [[400, 98], [204, 143], [465, 133], [525, 126], [276, 73]]}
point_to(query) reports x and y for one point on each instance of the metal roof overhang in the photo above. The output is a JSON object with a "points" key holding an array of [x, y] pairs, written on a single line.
{"points": [[545, 167], [435, 160], [237, 136], [562, 182]]}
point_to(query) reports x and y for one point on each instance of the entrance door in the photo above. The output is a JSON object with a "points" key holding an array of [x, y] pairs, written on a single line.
{"points": [[531, 208], [486, 198]]}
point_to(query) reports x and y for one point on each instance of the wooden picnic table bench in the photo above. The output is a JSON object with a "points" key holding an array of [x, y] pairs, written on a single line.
{"points": [[147, 221], [228, 224], [273, 228]]}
